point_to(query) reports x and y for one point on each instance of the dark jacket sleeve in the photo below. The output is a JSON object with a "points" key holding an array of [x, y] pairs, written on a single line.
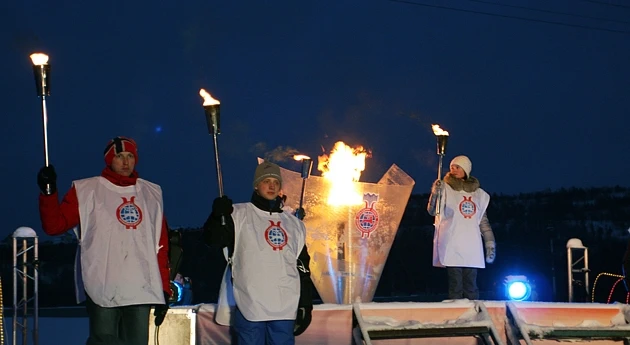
{"points": [[219, 235], [162, 258], [306, 285]]}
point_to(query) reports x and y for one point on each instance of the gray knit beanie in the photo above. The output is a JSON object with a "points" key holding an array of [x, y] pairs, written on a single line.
{"points": [[267, 169]]}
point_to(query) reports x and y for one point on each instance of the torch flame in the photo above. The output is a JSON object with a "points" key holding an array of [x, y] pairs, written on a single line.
{"points": [[438, 131], [207, 99], [300, 157], [39, 59], [342, 168]]}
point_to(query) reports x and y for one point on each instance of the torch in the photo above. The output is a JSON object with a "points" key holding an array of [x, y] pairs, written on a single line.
{"points": [[41, 70], [307, 165], [212, 109], [442, 138]]}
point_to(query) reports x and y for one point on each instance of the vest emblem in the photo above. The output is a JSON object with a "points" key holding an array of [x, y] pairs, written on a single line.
{"points": [[467, 207], [276, 236], [129, 214]]}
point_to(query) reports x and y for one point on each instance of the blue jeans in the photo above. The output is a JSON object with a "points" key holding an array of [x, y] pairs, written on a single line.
{"points": [[128, 325], [276, 332]]}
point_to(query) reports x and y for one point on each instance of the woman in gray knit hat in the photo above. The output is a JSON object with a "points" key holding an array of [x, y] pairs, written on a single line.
{"points": [[462, 229]]}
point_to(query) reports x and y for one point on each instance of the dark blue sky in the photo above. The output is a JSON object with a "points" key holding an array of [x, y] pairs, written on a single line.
{"points": [[535, 105]]}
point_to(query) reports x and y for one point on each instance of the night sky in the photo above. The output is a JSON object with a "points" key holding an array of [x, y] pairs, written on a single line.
{"points": [[536, 93]]}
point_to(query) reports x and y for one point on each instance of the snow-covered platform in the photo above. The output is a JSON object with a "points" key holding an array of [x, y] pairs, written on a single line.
{"points": [[399, 323], [460, 322], [549, 323]]}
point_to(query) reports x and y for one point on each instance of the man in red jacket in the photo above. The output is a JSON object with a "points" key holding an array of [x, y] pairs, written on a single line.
{"points": [[122, 258]]}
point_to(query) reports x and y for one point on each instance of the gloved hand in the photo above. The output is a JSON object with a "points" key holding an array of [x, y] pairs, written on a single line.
{"points": [[161, 310], [302, 320], [47, 176], [222, 206], [300, 213], [491, 251], [437, 184]]}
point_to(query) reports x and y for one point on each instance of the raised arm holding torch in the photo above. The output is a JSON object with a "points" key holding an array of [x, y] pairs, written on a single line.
{"points": [[307, 166], [442, 138], [213, 110]]}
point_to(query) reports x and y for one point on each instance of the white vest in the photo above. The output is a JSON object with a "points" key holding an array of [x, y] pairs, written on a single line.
{"points": [[266, 282], [457, 239], [119, 238]]}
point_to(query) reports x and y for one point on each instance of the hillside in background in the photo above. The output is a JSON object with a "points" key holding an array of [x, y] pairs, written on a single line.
{"points": [[531, 230]]}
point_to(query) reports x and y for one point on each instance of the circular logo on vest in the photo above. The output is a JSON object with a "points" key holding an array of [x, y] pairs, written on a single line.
{"points": [[467, 207], [276, 236], [129, 214]]}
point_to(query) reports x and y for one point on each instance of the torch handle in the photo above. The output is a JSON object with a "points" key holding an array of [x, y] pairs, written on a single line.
{"points": [[438, 206], [45, 129], [45, 123], [302, 199], [218, 166]]}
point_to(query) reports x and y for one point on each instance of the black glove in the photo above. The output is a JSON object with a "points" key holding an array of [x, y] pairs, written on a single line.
{"points": [[161, 310], [305, 303], [302, 320], [300, 213], [222, 206], [47, 177]]}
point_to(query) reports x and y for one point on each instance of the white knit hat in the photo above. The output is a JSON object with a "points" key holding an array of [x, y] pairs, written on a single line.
{"points": [[464, 163]]}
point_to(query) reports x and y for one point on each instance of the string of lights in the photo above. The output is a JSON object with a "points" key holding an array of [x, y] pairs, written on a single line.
{"points": [[1, 315], [613, 290], [606, 274]]}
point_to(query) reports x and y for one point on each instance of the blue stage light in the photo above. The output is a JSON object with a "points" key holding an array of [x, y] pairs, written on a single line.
{"points": [[517, 288]]}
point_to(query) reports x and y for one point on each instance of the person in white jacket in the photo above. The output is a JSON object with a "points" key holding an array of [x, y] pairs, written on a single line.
{"points": [[462, 229]]}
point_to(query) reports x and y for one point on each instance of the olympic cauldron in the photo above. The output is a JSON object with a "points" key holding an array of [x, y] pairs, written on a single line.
{"points": [[349, 244]]}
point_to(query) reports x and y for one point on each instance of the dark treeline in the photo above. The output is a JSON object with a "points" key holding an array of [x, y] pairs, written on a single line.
{"points": [[531, 230]]}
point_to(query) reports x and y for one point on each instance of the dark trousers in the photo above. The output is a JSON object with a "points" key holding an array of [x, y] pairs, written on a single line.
{"points": [[128, 325], [462, 283], [276, 332]]}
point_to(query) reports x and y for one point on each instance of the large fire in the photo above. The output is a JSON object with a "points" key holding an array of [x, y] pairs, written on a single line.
{"points": [[342, 168]]}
